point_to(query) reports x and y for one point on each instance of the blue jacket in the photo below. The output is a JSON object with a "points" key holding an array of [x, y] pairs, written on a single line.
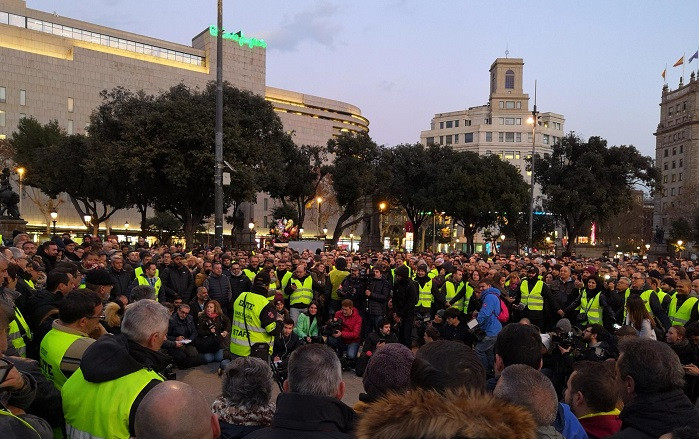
{"points": [[488, 315]]}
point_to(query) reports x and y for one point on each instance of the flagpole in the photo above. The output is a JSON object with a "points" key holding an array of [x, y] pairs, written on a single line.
{"points": [[683, 64]]}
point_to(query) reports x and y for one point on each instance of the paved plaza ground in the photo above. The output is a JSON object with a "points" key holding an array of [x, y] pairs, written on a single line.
{"points": [[208, 382]]}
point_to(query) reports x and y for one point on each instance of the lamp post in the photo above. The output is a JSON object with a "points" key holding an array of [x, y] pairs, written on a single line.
{"points": [[679, 248], [20, 172], [218, 140], [54, 215], [533, 120], [382, 207], [88, 222], [647, 248], [319, 200], [325, 232], [351, 241], [502, 240], [300, 233], [251, 226], [126, 227]]}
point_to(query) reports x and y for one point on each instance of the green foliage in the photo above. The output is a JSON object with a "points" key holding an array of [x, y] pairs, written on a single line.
{"points": [[681, 229], [588, 181]]}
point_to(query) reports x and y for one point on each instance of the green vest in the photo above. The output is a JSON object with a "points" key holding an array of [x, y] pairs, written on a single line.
{"points": [[591, 308], [303, 293], [336, 278], [451, 292], [251, 274], [19, 333], [433, 273], [644, 295], [4, 412], [247, 308], [682, 315], [142, 280], [425, 297], [661, 295], [534, 301], [138, 271], [101, 410], [30, 283], [53, 348]]}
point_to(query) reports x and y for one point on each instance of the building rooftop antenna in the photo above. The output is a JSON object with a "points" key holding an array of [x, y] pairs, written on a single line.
{"points": [[507, 50]]}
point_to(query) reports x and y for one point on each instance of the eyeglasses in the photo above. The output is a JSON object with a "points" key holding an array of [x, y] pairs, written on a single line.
{"points": [[5, 368], [101, 316]]}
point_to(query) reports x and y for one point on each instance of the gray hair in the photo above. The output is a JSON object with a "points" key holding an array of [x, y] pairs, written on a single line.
{"points": [[653, 365], [140, 292], [626, 279], [144, 318], [314, 369], [525, 386], [247, 383], [17, 253]]}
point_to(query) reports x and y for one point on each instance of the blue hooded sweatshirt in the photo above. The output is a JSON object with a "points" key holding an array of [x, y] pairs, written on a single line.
{"points": [[488, 315]]}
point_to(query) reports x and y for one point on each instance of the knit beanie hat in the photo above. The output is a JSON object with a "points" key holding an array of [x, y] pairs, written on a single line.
{"points": [[388, 369]]}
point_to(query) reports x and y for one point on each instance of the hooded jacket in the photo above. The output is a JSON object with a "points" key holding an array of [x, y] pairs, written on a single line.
{"points": [[429, 414], [405, 294], [488, 315], [651, 416]]}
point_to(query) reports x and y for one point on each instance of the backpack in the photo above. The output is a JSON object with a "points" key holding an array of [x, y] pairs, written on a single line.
{"points": [[504, 314]]}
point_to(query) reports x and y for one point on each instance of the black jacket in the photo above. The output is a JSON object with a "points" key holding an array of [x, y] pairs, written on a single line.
{"points": [[181, 328], [375, 303], [122, 280], [177, 281], [219, 288], [405, 295], [113, 357], [239, 284], [651, 416], [306, 416]]}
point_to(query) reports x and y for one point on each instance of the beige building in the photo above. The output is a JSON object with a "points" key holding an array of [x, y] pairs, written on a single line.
{"points": [[677, 154], [500, 126], [54, 67]]}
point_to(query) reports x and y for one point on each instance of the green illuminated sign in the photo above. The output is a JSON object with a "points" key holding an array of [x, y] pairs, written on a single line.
{"points": [[238, 37]]}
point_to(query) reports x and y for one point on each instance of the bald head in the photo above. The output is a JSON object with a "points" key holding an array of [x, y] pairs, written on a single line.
{"points": [[175, 410]]}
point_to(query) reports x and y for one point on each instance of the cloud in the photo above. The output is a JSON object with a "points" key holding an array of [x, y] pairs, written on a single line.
{"points": [[311, 25]]}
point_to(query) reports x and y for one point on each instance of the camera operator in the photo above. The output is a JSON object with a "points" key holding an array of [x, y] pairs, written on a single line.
{"points": [[377, 338], [562, 345], [599, 347], [345, 339]]}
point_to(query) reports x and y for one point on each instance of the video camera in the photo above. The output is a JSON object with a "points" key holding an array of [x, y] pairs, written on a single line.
{"points": [[332, 326]]}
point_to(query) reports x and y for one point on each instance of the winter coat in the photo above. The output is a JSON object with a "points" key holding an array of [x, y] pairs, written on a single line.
{"points": [[219, 288], [122, 280], [305, 328], [375, 303], [239, 284], [405, 294], [412, 415], [177, 281], [206, 338], [351, 326], [308, 416], [651, 416], [181, 328], [601, 426], [488, 315]]}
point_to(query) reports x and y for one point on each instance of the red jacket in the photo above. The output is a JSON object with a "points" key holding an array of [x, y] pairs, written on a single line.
{"points": [[351, 326], [601, 426]]}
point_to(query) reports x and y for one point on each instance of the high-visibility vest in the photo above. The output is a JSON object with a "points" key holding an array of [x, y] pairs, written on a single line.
{"points": [[661, 295], [53, 348], [30, 283], [19, 333], [433, 273], [451, 292], [591, 308], [246, 310], [644, 295], [303, 293], [35, 433], [251, 273], [336, 278], [425, 297], [138, 271], [534, 301], [142, 280], [101, 410], [682, 315]]}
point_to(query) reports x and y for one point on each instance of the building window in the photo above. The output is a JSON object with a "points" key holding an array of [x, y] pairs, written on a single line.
{"points": [[681, 149], [265, 203], [669, 111], [2, 118], [450, 124], [501, 137], [510, 137], [680, 177], [430, 141], [674, 178], [456, 124], [70, 127], [488, 136], [441, 125], [529, 137], [672, 191], [2, 94], [486, 121], [679, 190], [468, 137], [510, 155], [546, 139], [510, 105], [509, 79], [664, 178], [517, 155], [674, 165], [70, 105], [501, 105], [22, 116], [456, 138], [449, 139], [674, 151], [519, 105], [467, 123], [441, 140], [264, 222], [666, 152], [23, 97], [680, 164]]}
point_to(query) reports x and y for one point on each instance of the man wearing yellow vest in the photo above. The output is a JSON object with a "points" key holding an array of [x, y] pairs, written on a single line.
{"points": [[101, 398], [63, 346], [300, 290], [148, 277], [255, 321], [457, 293], [253, 268], [538, 301], [639, 287], [426, 290], [683, 309]]}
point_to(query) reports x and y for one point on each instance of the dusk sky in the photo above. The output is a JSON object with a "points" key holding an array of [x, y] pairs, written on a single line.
{"points": [[597, 62]]}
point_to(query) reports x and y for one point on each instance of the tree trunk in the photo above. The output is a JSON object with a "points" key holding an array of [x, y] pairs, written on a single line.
{"points": [[144, 220], [189, 226]]}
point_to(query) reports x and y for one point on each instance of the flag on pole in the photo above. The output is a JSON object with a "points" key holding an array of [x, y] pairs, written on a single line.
{"points": [[663, 74], [679, 62], [693, 57]]}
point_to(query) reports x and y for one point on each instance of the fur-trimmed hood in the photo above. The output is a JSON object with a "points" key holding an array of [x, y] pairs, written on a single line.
{"points": [[426, 414]]}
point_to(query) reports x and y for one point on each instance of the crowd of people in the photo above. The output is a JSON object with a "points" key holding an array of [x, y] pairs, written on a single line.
{"points": [[447, 345]]}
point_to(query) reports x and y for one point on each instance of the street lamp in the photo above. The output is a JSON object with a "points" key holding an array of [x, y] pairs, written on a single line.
{"points": [[126, 227], [647, 248], [533, 120], [54, 215], [325, 231], [300, 232], [319, 200], [351, 241], [251, 226], [20, 172], [679, 247], [88, 221], [382, 207]]}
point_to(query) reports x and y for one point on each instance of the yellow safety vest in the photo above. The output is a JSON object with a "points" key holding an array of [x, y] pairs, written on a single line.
{"points": [[534, 301], [433, 273], [138, 271], [303, 293], [451, 292], [53, 348], [246, 310], [425, 298], [101, 410], [661, 296], [142, 280], [591, 308], [19, 333], [336, 279], [682, 315], [251, 274], [644, 295]]}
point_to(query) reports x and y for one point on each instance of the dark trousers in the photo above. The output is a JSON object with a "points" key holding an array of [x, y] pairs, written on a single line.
{"points": [[185, 356]]}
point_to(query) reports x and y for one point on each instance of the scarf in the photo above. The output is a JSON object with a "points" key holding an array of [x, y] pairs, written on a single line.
{"points": [[212, 315], [239, 416]]}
